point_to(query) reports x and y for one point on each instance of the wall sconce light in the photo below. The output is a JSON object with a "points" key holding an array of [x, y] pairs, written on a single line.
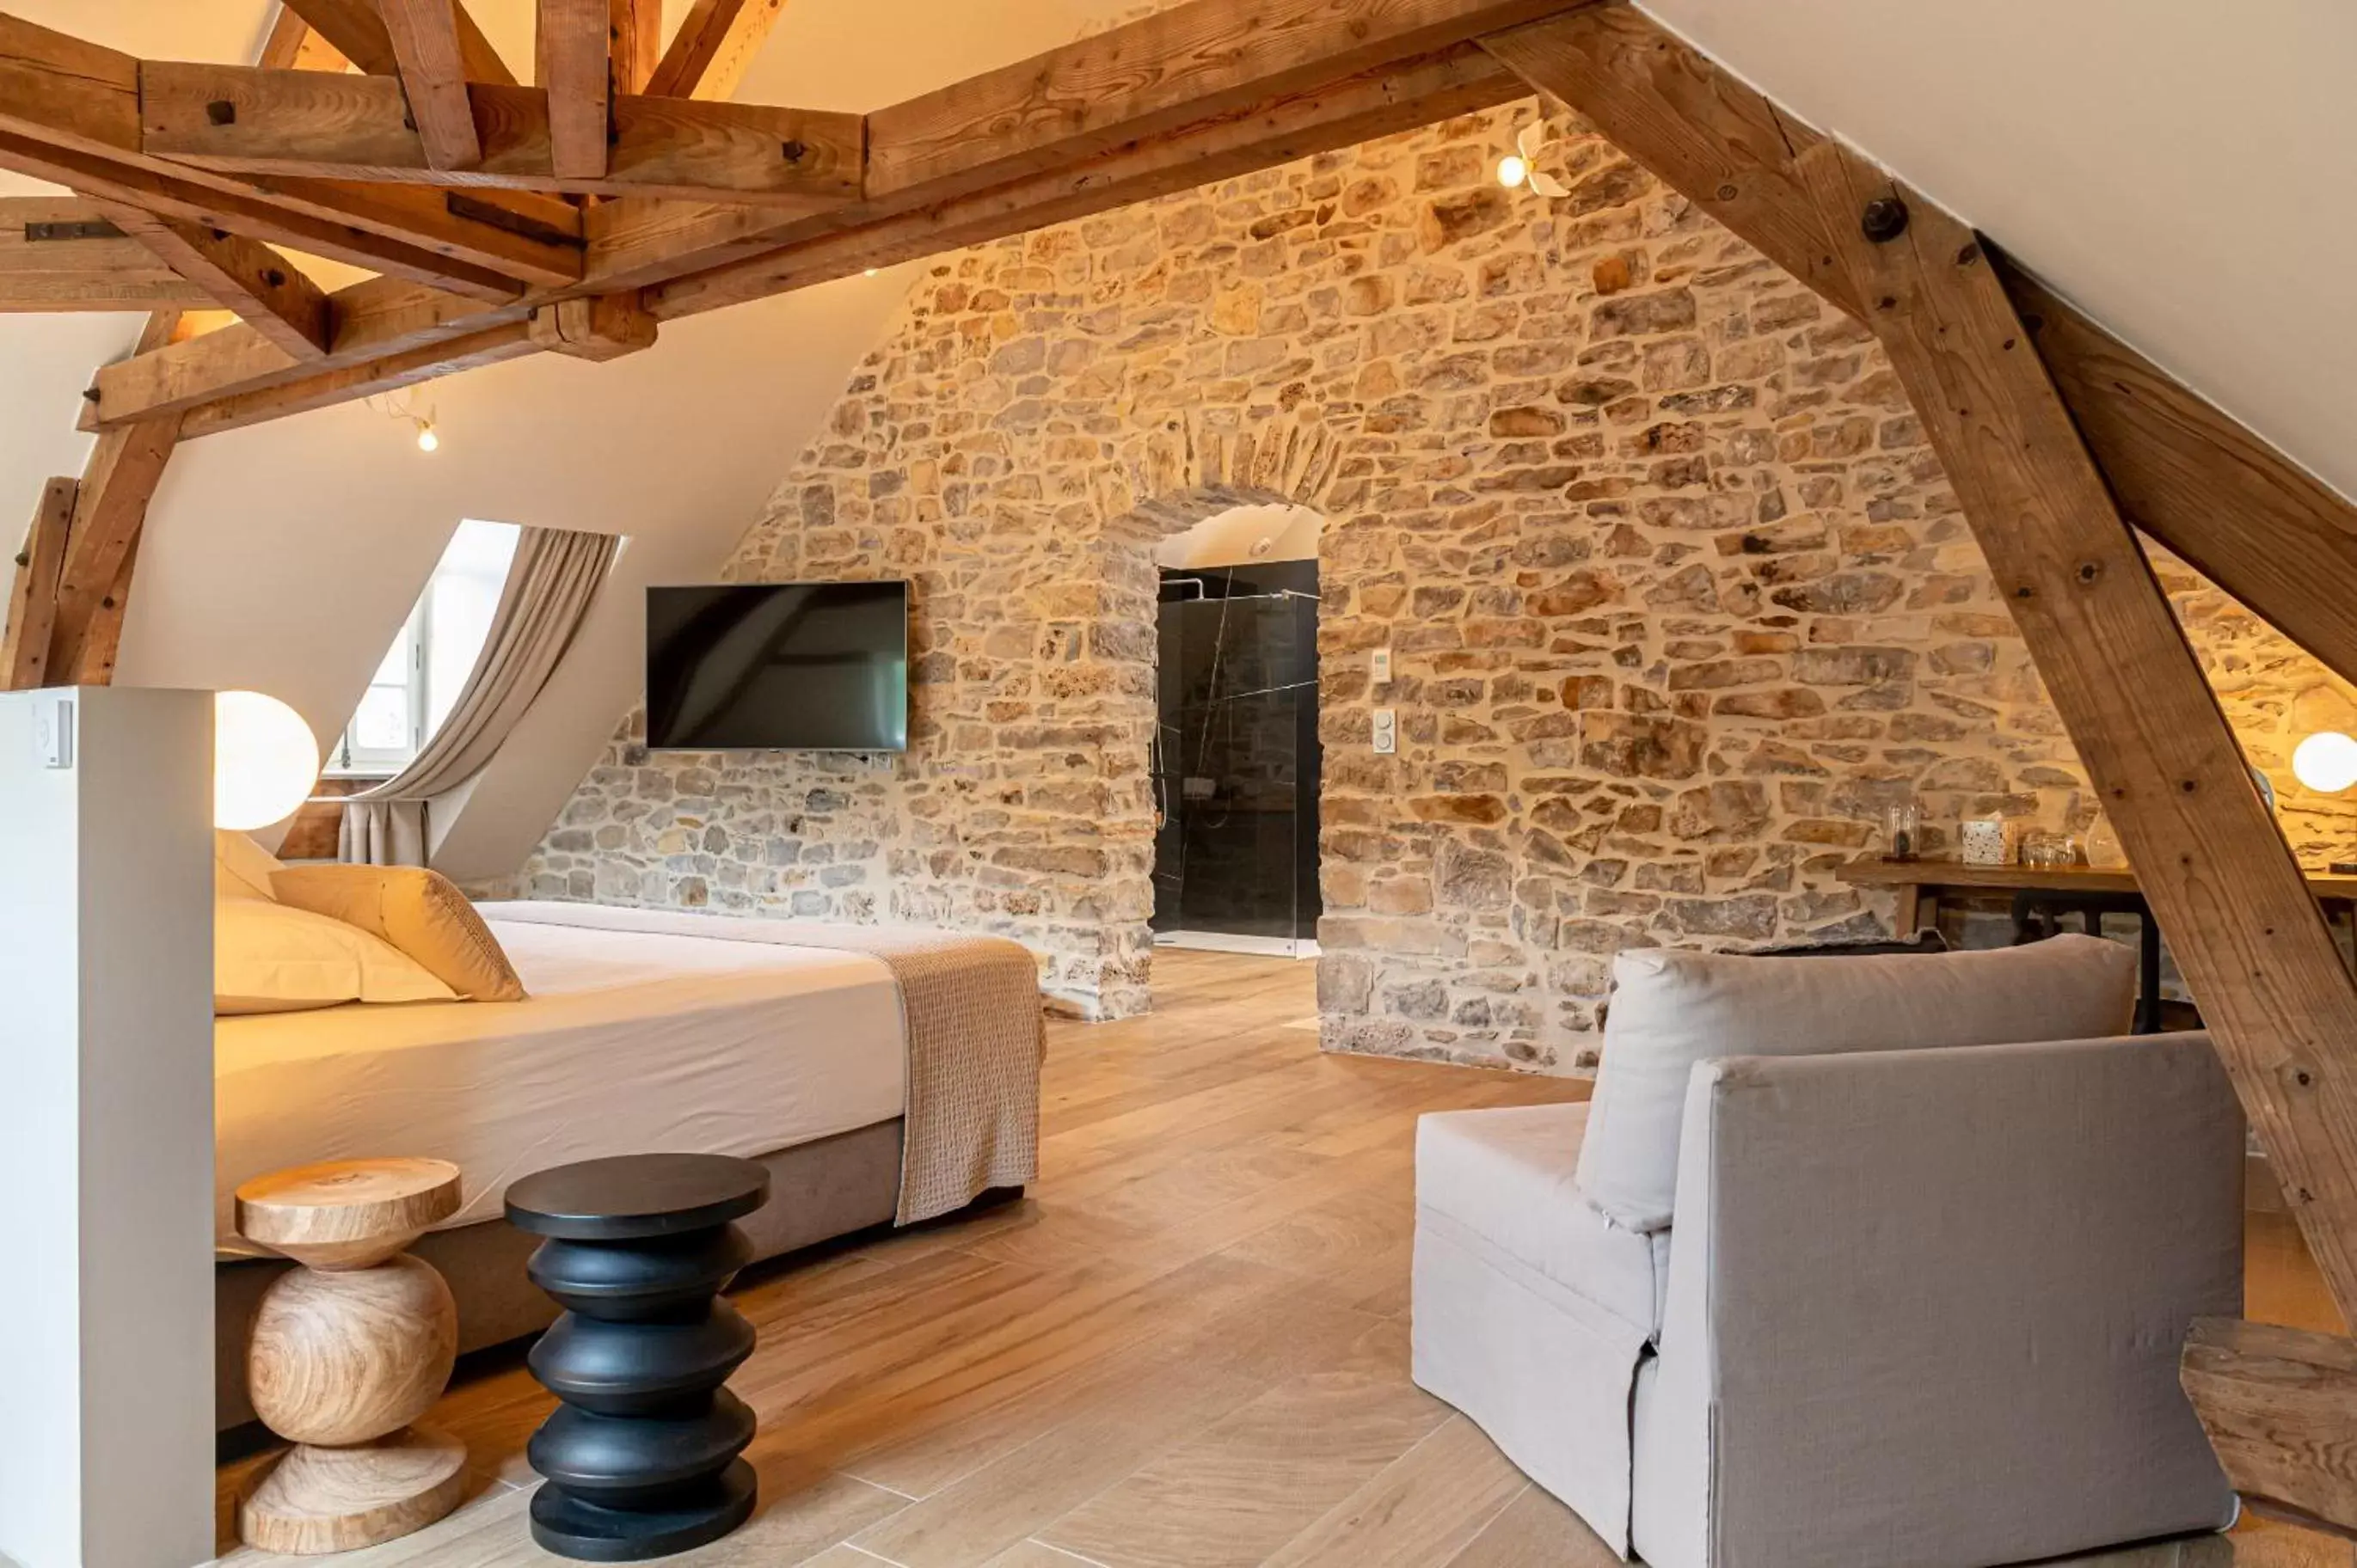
{"points": [[2326, 762]]}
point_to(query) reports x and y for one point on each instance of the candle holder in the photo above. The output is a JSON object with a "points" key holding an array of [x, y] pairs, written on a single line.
{"points": [[1902, 832]]}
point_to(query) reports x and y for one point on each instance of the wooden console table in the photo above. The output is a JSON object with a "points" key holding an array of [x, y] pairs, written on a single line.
{"points": [[2040, 893]]}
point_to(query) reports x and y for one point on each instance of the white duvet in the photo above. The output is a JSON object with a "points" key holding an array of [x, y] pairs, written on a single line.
{"points": [[638, 1036]]}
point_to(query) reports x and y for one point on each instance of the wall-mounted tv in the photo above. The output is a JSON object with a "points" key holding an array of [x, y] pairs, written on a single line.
{"points": [[778, 666]]}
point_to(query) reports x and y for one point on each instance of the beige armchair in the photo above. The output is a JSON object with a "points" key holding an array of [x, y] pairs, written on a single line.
{"points": [[1898, 1308]]}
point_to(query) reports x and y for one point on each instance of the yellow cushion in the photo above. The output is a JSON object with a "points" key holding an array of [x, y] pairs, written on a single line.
{"points": [[241, 868], [419, 911], [273, 958]]}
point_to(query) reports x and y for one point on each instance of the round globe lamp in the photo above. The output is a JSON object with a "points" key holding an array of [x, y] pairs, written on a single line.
{"points": [[2326, 762], [265, 760]]}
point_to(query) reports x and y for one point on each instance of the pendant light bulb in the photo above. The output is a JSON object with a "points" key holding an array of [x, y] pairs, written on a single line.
{"points": [[426, 440], [1512, 169]]}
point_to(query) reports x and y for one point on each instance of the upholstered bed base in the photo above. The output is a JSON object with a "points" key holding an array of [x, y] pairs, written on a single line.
{"points": [[818, 1191]]}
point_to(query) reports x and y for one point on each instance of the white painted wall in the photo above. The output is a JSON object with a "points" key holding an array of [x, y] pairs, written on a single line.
{"points": [[2184, 171], [106, 1325]]}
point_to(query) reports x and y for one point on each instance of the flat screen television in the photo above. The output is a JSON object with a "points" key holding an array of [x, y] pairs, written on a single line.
{"points": [[778, 666]]}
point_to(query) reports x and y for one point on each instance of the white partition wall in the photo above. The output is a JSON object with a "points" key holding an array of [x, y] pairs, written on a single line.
{"points": [[106, 1337]]}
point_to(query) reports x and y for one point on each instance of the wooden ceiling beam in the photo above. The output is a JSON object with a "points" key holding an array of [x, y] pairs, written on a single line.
{"points": [[290, 37], [1374, 102], [448, 356], [357, 32], [372, 319], [33, 601], [1172, 69], [1334, 114], [64, 253], [433, 69], [634, 42], [268, 291], [714, 45], [63, 118], [110, 511], [2246, 517], [296, 213], [2279, 1003], [570, 46], [307, 123], [594, 326]]}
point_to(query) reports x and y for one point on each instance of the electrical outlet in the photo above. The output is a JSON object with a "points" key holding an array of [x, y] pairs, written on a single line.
{"points": [[1386, 731], [1379, 667], [53, 729]]}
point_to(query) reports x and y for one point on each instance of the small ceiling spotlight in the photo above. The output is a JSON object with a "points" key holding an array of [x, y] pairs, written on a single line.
{"points": [[1519, 168], [873, 270]]}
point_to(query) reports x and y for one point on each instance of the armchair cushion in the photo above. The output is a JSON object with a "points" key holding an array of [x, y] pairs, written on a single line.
{"points": [[1505, 1177], [1671, 1010]]}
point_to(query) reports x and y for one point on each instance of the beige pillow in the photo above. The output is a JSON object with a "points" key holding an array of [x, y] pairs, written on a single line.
{"points": [[419, 911], [272, 958], [241, 868], [1673, 1009]]}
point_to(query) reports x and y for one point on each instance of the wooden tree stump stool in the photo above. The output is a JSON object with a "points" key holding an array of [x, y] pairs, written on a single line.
{"points": [[348, 1351], [641, 1457]]}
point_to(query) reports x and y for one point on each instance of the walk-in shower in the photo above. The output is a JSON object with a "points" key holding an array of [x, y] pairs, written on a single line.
{"points": [[1236, 758]]}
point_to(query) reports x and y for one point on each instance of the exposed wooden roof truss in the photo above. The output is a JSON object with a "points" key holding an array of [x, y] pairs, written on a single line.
{"points": [[624, 187]]}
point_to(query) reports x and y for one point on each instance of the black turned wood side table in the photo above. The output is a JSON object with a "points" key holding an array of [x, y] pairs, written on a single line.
{"points": [[641, 1458]]}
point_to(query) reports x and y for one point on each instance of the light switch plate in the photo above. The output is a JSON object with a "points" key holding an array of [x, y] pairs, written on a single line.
{"points": [[1379, 667], [1386, 731], [53, 729]]}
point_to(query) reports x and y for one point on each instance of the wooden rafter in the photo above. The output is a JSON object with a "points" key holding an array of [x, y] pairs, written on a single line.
{"points": [[110, 511], [32, 602], [64, 253], [227, 367], [2240, 920], [307, 124], [291, 45], [596, 328], [1163, 71], [714, 46], [355, 30], [267, 290], [442, 358], [634, 42], [570, 47], [374, 319], [425, 35], [1375, 102]]}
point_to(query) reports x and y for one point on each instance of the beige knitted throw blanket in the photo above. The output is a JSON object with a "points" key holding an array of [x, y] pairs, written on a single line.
{"points": [[970, 1008], [969, 1013]]}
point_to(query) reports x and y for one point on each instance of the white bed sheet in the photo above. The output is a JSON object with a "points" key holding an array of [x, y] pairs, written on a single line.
{"points": [[633, 1040]]}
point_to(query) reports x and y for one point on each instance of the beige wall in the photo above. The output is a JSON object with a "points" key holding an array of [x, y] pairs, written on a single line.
{"points": [[1678, 596]]}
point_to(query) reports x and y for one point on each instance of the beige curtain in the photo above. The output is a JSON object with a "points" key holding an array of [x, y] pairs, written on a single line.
{"points": [[549, 588]]}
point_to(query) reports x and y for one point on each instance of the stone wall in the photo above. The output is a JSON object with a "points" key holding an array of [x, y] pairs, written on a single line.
{"points": [[1678, 596]]}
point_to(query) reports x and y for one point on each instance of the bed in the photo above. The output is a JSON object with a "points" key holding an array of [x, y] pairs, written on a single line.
{"points": [[813, 1048]]}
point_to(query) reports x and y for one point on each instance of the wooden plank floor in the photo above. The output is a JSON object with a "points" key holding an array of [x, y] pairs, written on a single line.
{"points": [[1188, 1349]]}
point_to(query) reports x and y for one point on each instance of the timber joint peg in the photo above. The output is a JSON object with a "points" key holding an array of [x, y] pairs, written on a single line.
{"points": [[1885, 220], [222, 112], [2089, 571]]}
